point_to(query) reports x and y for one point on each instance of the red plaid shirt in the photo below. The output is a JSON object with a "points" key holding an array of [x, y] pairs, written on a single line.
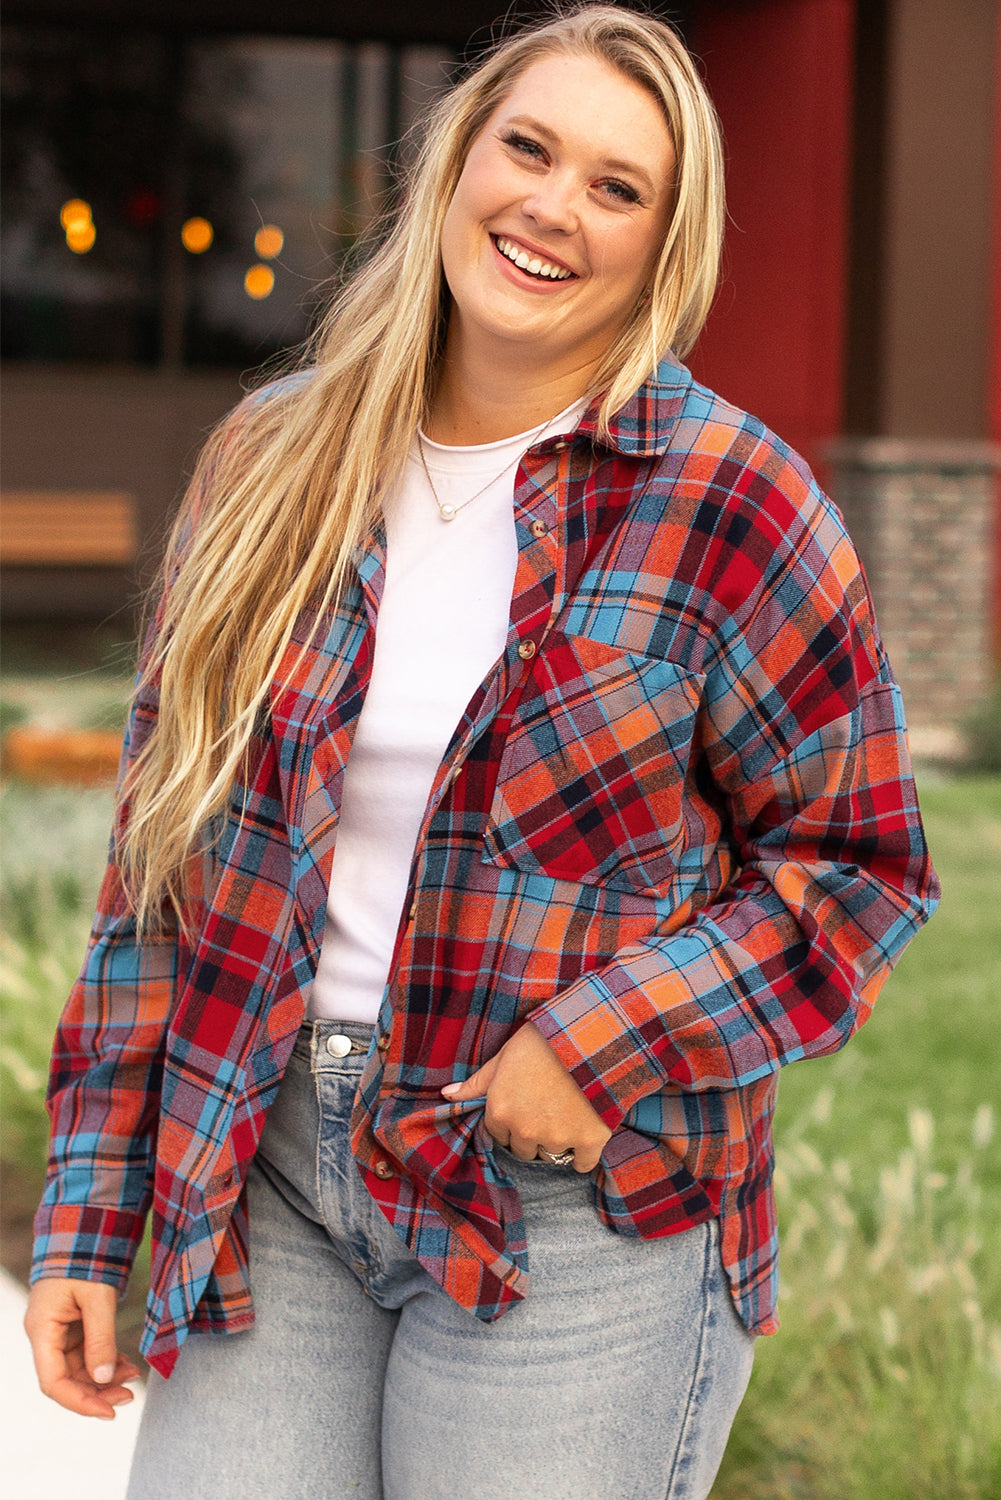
{"points": [[675, 828]]}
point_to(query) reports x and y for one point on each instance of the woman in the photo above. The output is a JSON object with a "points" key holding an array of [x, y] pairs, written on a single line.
{"points": [[514, 713]]}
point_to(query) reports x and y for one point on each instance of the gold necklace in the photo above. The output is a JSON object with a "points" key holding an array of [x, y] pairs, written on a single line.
{"points": [[449, 512]]}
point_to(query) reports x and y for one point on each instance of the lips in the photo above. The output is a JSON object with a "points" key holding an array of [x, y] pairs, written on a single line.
{"points": [[535, 264]]}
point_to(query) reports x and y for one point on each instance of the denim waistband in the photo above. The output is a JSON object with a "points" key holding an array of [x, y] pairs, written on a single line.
{"points": [[311, 1043]]}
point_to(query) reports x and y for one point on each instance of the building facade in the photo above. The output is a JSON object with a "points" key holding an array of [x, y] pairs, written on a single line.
{"points": [[184, 179]]}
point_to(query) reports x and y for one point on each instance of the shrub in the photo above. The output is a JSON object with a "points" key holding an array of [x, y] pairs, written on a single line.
{"points": [[54, 844], [983, 736], [11, 714]]}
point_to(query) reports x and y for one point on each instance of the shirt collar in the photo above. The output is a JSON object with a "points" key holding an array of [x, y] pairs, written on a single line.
{"points": [[644, 425]]}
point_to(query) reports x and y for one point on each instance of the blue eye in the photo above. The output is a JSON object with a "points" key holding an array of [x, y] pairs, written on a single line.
{"points": [[622, 191], [523, 143]]}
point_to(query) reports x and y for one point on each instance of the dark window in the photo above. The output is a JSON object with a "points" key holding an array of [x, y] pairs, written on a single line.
{"points": [[183, 200]]}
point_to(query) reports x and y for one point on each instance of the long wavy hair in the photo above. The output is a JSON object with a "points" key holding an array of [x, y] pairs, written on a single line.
{"points": [[288, 487]]}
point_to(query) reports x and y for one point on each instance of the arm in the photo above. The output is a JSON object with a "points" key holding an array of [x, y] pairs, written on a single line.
{"points": [[107, 1059], [820, 875], [832, 880], [103, 1100]]}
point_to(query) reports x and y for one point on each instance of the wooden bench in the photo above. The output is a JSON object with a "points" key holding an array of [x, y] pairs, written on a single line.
{"points": [[68, 528]]}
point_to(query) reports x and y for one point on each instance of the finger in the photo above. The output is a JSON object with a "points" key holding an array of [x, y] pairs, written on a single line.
{"points": [[100, 1347], [585, 1159], [473, 1087], [524, 1147], [63, 1377], [587, 1156], [115, 1390]]}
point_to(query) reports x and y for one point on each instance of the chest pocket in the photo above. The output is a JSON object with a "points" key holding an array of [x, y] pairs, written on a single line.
{"points": [[591, 777]]}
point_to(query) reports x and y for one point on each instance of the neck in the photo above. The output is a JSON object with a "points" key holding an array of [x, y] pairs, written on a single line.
{"points": [[481, 400]]}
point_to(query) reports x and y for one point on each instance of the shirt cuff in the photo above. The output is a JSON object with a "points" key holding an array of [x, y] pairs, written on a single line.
{"points": [[614, 1062], [86, 1242]]}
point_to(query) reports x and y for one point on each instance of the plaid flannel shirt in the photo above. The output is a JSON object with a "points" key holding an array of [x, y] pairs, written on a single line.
{"points": [[675, 828]]}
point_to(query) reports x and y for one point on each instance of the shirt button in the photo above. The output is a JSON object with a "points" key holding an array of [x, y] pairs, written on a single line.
{"points": [[539, 528], [382, 1044], [382, 1169], [338, 1045], [527, 650], [411, 914]]}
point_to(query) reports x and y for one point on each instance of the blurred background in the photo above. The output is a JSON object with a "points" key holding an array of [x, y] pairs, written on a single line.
{"points": [[182, 183]]}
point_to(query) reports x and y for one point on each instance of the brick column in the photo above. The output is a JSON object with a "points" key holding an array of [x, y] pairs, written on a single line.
{"points": [[921, 515]]}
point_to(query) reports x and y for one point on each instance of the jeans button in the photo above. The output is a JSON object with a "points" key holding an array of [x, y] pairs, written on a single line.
{"points": [[338, 1045]]}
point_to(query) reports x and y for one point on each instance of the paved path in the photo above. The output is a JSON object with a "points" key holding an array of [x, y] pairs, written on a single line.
{"points": [[46, 1452]]}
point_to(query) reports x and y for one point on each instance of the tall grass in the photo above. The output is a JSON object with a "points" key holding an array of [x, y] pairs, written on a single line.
{"points": [[885, 1381]]}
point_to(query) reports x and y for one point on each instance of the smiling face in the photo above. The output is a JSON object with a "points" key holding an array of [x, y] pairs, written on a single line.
{"points": [[558, 217]]}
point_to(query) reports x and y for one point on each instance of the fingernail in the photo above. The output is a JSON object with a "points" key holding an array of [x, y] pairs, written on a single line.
{"points": [[451, 1088], [104, 1373]]}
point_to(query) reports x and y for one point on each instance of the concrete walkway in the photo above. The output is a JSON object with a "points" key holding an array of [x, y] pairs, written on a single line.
{"points": [[45, 1451]]}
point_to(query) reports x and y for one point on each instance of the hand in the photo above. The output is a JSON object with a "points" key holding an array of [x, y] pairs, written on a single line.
{"points": [[71, 1325], [532, 1101]]}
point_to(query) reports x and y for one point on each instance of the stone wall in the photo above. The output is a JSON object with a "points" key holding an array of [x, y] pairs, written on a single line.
{"points": [[922, 516]]}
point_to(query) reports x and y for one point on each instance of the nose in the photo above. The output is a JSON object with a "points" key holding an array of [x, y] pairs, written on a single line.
{"points": [[553, 204]]}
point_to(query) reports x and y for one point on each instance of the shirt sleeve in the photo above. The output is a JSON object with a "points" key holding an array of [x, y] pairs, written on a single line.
{"points": [[106, 1070], [104, 1082], [802, 743]]}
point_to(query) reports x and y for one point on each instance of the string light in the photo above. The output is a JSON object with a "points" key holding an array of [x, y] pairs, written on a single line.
{"points": [[74, 211], [197, 235], [268, 241], [80, 237], [258, 282], [75, 218]]}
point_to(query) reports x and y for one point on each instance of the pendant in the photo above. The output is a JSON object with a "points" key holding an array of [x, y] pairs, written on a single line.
{"points": [[447, 512]]}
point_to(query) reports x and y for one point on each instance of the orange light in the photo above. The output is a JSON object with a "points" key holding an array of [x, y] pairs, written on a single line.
{"points": [[268, 241], [258, 282], [197, 235], [80, 236], [74, 212]]}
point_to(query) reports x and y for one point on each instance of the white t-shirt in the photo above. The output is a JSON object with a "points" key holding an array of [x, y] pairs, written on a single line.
{"points": [[442, 624]]}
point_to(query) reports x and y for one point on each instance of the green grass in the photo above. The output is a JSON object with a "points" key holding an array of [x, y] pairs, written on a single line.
{"points": [[885, 1382], [931, 1041]]}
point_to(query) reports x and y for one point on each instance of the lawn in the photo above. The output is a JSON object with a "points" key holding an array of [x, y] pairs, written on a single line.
{"points": [[885, 1382]]}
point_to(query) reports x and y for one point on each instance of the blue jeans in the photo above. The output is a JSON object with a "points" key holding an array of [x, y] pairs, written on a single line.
{"points": [[616, 1379]]}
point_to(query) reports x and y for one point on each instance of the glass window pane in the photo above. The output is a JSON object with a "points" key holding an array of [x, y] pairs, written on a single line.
{"points": [[83, 125], [221, 183]]}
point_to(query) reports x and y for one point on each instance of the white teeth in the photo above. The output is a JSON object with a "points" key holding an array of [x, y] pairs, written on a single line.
{"points": [[533, 265]]}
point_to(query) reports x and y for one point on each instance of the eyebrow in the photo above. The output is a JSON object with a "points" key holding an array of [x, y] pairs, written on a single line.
{"points": [[613, 164]]}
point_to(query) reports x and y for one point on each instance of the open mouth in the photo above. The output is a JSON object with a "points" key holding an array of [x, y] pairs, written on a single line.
{"points": [[534, 266]]}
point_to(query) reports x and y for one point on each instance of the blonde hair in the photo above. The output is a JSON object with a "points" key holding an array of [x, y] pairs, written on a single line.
{"points": [[288, 487]]}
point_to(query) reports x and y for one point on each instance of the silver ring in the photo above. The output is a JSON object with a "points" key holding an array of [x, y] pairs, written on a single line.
{"points": [[555, 1158]]}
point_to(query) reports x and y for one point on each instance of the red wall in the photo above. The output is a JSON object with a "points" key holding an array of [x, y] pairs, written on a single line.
{"points": [[994, 394], [780, 73]]}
